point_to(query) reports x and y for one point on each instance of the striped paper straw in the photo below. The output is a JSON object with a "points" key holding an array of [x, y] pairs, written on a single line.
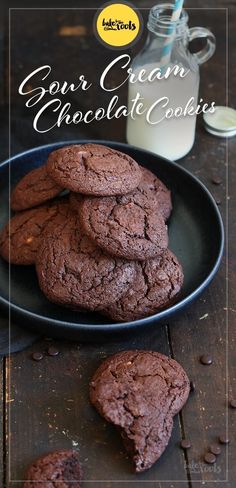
{"points": [[168, 44]]}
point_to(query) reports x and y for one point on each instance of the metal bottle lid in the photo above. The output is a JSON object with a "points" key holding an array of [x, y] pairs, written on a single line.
{"points": [[222, 122]]}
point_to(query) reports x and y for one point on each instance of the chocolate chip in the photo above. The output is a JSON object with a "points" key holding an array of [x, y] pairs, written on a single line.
{"points": [[209, 458], [224, 439], [37, 356], [215, 449], [216, 180], [206, 360], [52, 351], [232, 403], [185, 444], [192, 386]]}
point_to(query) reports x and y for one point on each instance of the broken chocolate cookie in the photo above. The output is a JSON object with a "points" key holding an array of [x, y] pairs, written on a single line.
{"points": [[140, 392]]}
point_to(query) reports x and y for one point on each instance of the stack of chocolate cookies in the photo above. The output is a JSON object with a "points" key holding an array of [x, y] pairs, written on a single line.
{"points": [[103, 246]]}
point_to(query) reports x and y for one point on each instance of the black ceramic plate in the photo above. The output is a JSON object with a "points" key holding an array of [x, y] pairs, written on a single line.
{"points": [[195, 236]]}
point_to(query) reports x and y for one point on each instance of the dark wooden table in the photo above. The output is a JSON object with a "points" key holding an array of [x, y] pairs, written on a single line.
{"points": [[45, 404]]}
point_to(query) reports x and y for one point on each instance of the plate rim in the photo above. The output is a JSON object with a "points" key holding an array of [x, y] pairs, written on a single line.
{"points": [[120, 326]]}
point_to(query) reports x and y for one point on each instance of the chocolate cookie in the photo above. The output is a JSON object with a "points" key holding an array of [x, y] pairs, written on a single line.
{"points": [[33, 189], [20, 238], [157, 283], [151, 193], [140, 392], [73, 271], [75, 201], [93, 169], [57, 469], [124, 229]]}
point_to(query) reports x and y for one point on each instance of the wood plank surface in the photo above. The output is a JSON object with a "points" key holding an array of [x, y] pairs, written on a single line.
{"points": [[51, 410], [49, 407], [231, 312]]}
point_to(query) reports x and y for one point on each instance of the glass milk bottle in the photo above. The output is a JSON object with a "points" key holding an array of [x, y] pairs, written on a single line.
{"points": [[173, 136]]}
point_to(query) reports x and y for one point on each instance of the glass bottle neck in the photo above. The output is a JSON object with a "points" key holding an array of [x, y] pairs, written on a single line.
{"points": [[160, 25]]}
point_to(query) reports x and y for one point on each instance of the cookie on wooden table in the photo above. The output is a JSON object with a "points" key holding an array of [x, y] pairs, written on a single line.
{"points": [[157, 284], [35, 188], [140, 392], [94, 169], [73, 271], [57, 469]]}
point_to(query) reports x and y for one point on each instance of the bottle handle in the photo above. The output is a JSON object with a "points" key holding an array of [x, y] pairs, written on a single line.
{"points": [[209, 49]]}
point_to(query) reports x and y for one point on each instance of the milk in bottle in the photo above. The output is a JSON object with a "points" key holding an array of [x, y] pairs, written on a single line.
{"points": [[169, 136]]}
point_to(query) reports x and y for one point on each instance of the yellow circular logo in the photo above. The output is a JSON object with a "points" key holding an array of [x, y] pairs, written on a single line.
{"points": [[118, 25]]}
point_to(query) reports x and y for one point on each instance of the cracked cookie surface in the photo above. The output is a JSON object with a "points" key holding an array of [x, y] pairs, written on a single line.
{"points": [[140, 392], [151, 193], [122, 228], [21, 236], [75, 201], [34, 188], [73, 271], [59, 469], [94, 169], [157, 283]]}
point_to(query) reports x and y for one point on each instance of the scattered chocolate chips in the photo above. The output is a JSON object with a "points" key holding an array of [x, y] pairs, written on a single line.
{"points": [[209, 458], [232, 403], [216, 180], [206, 359], [224, 439], [192, 386], [185, 444], [52, 351], [37, 356], [215, 449]]}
